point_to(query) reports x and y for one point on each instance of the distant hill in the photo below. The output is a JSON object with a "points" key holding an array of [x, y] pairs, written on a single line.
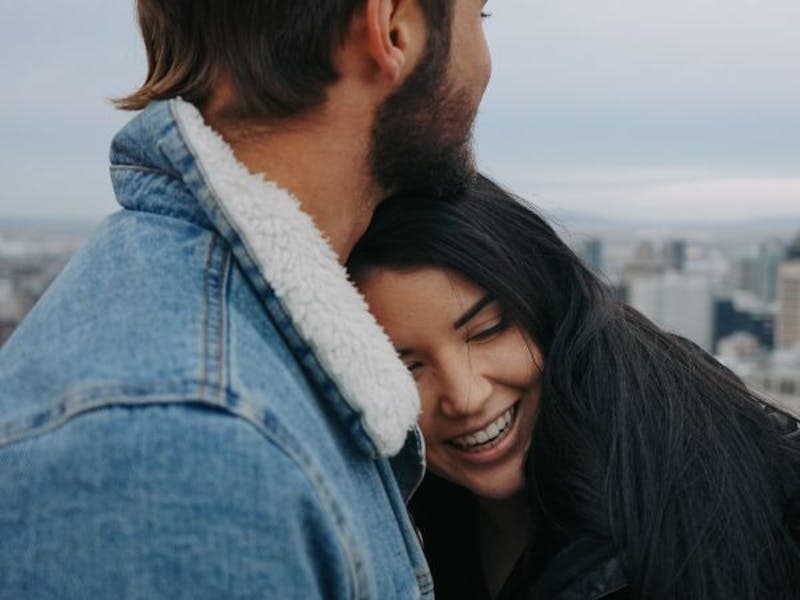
{"points": [[776, 227]]}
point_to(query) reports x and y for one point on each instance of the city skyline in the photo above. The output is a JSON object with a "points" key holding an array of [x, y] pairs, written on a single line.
{"points": [[725, 289]]}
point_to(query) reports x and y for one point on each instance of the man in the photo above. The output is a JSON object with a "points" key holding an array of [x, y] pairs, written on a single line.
{"points": [[201, 405]]}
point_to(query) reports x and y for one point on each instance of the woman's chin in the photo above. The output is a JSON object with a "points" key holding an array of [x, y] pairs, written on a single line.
{"points": [[497, 491]]}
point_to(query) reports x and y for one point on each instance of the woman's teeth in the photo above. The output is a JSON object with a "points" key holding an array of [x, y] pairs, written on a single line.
{"points": [[493, 432]]}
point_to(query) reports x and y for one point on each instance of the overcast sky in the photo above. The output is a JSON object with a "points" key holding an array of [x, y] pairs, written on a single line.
{"points": [[627, 109]]}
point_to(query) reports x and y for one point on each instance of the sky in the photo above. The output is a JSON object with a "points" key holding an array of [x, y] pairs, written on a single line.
{"points": [[624, 109]]}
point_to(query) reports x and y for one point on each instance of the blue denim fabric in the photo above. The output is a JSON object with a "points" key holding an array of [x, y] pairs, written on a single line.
{"points": [[166, 433]]}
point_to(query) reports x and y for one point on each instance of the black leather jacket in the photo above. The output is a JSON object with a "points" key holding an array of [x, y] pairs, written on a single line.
{"points": [[584, 570]]}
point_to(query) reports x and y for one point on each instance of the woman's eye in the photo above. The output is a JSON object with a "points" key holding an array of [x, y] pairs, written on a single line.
{"points": [[489, 332], [413, 367], [485, 15]]}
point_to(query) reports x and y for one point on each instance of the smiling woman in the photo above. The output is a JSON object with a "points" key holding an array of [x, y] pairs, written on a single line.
{"points": [[575, 450]]}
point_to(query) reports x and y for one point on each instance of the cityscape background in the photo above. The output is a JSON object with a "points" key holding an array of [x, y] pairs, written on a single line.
{"points": [[733, 289], [663, 139]]}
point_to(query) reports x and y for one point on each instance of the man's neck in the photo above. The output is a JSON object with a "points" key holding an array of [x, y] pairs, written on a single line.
{"points": [[324, 166]]}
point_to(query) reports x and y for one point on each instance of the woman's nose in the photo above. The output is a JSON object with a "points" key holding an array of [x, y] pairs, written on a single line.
{"points": [[463, 388]]}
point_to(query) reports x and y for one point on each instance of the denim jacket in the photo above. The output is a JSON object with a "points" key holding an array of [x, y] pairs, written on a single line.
{"points": [[201, 405]]}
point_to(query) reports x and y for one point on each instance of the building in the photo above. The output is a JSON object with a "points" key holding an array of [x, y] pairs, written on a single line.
{"points": [[775, 377], [757, 272], [591, 251], [23, 279], [644, 265], [682, 303], [788, 323], [731, 318], [738, 346], [770, 255], [673, 254]]}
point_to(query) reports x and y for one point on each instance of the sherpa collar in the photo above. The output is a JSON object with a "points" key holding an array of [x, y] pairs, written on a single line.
{"points": [[303, 270]]}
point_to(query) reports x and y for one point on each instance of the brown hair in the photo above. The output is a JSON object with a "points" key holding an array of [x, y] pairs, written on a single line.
{"points": [[276, 53]]}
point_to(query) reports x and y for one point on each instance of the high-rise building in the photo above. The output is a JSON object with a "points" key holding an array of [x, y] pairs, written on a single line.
{"points": [[673, 253], [788, 329], [747, 274], [644, 264], [770, 255], [757, 272], [591, 251], [680, 302]]}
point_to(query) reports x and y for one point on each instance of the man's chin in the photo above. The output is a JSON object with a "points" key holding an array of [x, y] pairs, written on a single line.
{"points": [[451, 181], [440, 177]]}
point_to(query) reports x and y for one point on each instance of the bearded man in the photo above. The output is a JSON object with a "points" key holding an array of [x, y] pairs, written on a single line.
{"points": [[201, 405]]}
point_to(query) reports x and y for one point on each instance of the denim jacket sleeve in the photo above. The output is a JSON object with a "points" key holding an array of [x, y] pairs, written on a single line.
{"points": [[165, 501]]}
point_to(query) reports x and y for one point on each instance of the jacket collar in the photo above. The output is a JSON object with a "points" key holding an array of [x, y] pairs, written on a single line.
{"points": [[291, 264], [588, 568]]}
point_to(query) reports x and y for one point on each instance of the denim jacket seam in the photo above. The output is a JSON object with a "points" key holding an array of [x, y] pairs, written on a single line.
{"points": [[271, 429], [216, 273], [142, 169], [410, 538], [425, 582], [76, 403], [327, 502], [166, 213]]}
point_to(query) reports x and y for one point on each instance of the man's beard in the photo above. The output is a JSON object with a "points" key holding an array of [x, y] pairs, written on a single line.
{"points": [[422, 136]]}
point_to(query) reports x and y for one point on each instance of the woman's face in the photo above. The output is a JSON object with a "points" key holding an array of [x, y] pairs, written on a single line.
{"points": [[478, 376]]}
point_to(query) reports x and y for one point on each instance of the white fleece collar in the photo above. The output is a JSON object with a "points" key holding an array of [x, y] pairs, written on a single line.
{"points": [[303, 270]]}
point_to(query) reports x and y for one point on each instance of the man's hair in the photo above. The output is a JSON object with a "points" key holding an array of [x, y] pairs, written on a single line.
{"points": [[277, 54]]}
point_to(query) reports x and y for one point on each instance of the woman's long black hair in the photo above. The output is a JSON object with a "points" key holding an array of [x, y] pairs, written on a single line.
{"points": [[642, 440]]}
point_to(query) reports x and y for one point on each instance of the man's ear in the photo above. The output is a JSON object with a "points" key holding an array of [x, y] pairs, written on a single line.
{"points": [[396, 34]]}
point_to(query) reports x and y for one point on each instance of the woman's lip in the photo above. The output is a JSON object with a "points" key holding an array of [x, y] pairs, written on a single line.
{"points": [[485, 425], [493, 453]]}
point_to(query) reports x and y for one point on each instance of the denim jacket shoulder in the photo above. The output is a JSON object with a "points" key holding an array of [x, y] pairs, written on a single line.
{"points": [[193, 210], [178, 304]]}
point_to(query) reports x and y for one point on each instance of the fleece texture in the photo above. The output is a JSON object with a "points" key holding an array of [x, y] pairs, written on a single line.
{"points": [[304, 272]]}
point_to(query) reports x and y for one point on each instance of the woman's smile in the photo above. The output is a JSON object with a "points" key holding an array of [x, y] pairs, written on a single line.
{"points": [[489, 437], [478, 375]]}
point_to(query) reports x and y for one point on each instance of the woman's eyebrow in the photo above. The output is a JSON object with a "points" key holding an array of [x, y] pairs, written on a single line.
{"points": [[472, 311]]}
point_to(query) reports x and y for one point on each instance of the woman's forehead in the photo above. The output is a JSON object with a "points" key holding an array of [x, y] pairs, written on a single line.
{"points": [[421, 284], [420, 301]]}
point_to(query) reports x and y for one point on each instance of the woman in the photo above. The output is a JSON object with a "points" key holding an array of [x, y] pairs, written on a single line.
{"points": [[574, 449]]}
